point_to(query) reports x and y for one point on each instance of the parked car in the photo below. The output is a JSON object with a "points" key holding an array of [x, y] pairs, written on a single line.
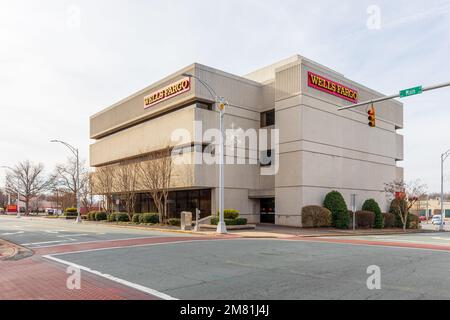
{"points": [[422, 218], [436, 219]]}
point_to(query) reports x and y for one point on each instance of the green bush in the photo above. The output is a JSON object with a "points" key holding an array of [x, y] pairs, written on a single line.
{"points": [[316, 216], [365, 219], [241, 221], [389, 220], [174, 222], [230, 222], [372, 205], [229, 213], [122, 217], [101, 216], [394, 209], [339, 212], [112, 217], [71, 212], [150, 218], [137, 218], [414, 221]]}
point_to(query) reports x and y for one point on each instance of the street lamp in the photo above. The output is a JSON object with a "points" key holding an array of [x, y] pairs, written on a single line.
{"points": [[443, 157], [220, 104], [18, 190], [77, 187]]}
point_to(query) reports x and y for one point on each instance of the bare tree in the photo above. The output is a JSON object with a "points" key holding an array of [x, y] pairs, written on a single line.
{"points": [[31, 181], [127, 176], [103, 184], [65, 177], [85, 192], [156, 173], [406, 194]]}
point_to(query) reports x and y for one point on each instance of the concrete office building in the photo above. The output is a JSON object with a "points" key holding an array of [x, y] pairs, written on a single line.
{"points": [[320, 149]]}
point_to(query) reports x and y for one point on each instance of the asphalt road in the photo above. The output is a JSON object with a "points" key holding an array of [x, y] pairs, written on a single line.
{"points": [[274, 269], [38, 232], [259, 269]]}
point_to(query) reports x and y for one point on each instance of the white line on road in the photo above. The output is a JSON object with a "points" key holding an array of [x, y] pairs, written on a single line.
{"points": [[73, 235], [39, 243], [96, 241], [12, 233], [115, 279]]}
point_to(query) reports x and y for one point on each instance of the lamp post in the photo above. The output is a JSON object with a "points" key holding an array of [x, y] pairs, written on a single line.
{"points": [[18, 190], [443, 157], [77, 187], [220, 104]]}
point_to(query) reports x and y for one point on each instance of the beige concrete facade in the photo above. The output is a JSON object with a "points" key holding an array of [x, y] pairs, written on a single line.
{"points": [[320, 149]]}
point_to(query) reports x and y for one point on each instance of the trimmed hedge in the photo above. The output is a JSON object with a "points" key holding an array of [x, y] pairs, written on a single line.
{"points": [[150, 218], [112, 217], [372, 205], [364, 219], [229, 213], [230, 222], [71, 212], [339, 212], [137, 218], [101, 216], [394, 209], [122, 217], [389, 220], [174, 222], [316, 217]]}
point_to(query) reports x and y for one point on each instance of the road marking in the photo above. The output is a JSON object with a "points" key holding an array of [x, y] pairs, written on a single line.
{"points": [[39, 243], [109, 240], [12, 233], [112, 278], [73, 235]]}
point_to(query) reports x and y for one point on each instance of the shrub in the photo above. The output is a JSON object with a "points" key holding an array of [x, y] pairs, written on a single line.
{"points": [[214, 221], [372, 205], [339, 212], [365, 219], [241, 221], [150, 218], [394, 209], [71, 212], [389, 220], [229, 213], [101, 216], [174, 222], [112, 217], [137, 218], [122, 217], [316, 216], [413, 221]]}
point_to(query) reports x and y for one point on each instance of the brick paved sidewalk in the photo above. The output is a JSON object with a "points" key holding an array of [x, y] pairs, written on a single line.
{"points": [[36, 278]]}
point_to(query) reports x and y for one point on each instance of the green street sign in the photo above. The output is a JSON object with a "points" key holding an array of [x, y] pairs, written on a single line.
{"points": [[411, 92]]}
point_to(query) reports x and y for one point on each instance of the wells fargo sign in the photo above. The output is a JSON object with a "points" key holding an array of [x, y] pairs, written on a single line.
{"points": [[168, 92], [332, 87]]}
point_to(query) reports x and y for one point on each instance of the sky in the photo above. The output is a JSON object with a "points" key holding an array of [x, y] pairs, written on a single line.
{"points": [[62, 61]]}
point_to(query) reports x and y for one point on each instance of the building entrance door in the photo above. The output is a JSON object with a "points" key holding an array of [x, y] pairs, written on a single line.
{"points": [[267, 210]]}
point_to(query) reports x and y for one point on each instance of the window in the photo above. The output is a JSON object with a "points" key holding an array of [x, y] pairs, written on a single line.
{"points": [[268, 118], [206, 106], [265, 158]]}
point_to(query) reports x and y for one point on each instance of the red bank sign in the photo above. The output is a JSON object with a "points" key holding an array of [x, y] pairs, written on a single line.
{"points": [[168, 92], [332, 87]]}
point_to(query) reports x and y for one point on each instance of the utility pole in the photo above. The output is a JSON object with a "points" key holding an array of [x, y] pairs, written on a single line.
{"points": [[77, 187], [220, 104], [443, 157]]}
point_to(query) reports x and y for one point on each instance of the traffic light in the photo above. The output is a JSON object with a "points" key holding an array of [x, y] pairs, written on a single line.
{"points": [[372, 117]]}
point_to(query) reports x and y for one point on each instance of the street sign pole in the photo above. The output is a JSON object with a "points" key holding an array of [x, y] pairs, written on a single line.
{"points": [[401, 94]]}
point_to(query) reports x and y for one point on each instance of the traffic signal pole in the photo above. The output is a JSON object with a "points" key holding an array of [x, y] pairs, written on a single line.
{"points": [[398, 95]]}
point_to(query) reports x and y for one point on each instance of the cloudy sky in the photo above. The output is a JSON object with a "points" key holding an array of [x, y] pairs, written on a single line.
{"points": [[62, 61]]}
